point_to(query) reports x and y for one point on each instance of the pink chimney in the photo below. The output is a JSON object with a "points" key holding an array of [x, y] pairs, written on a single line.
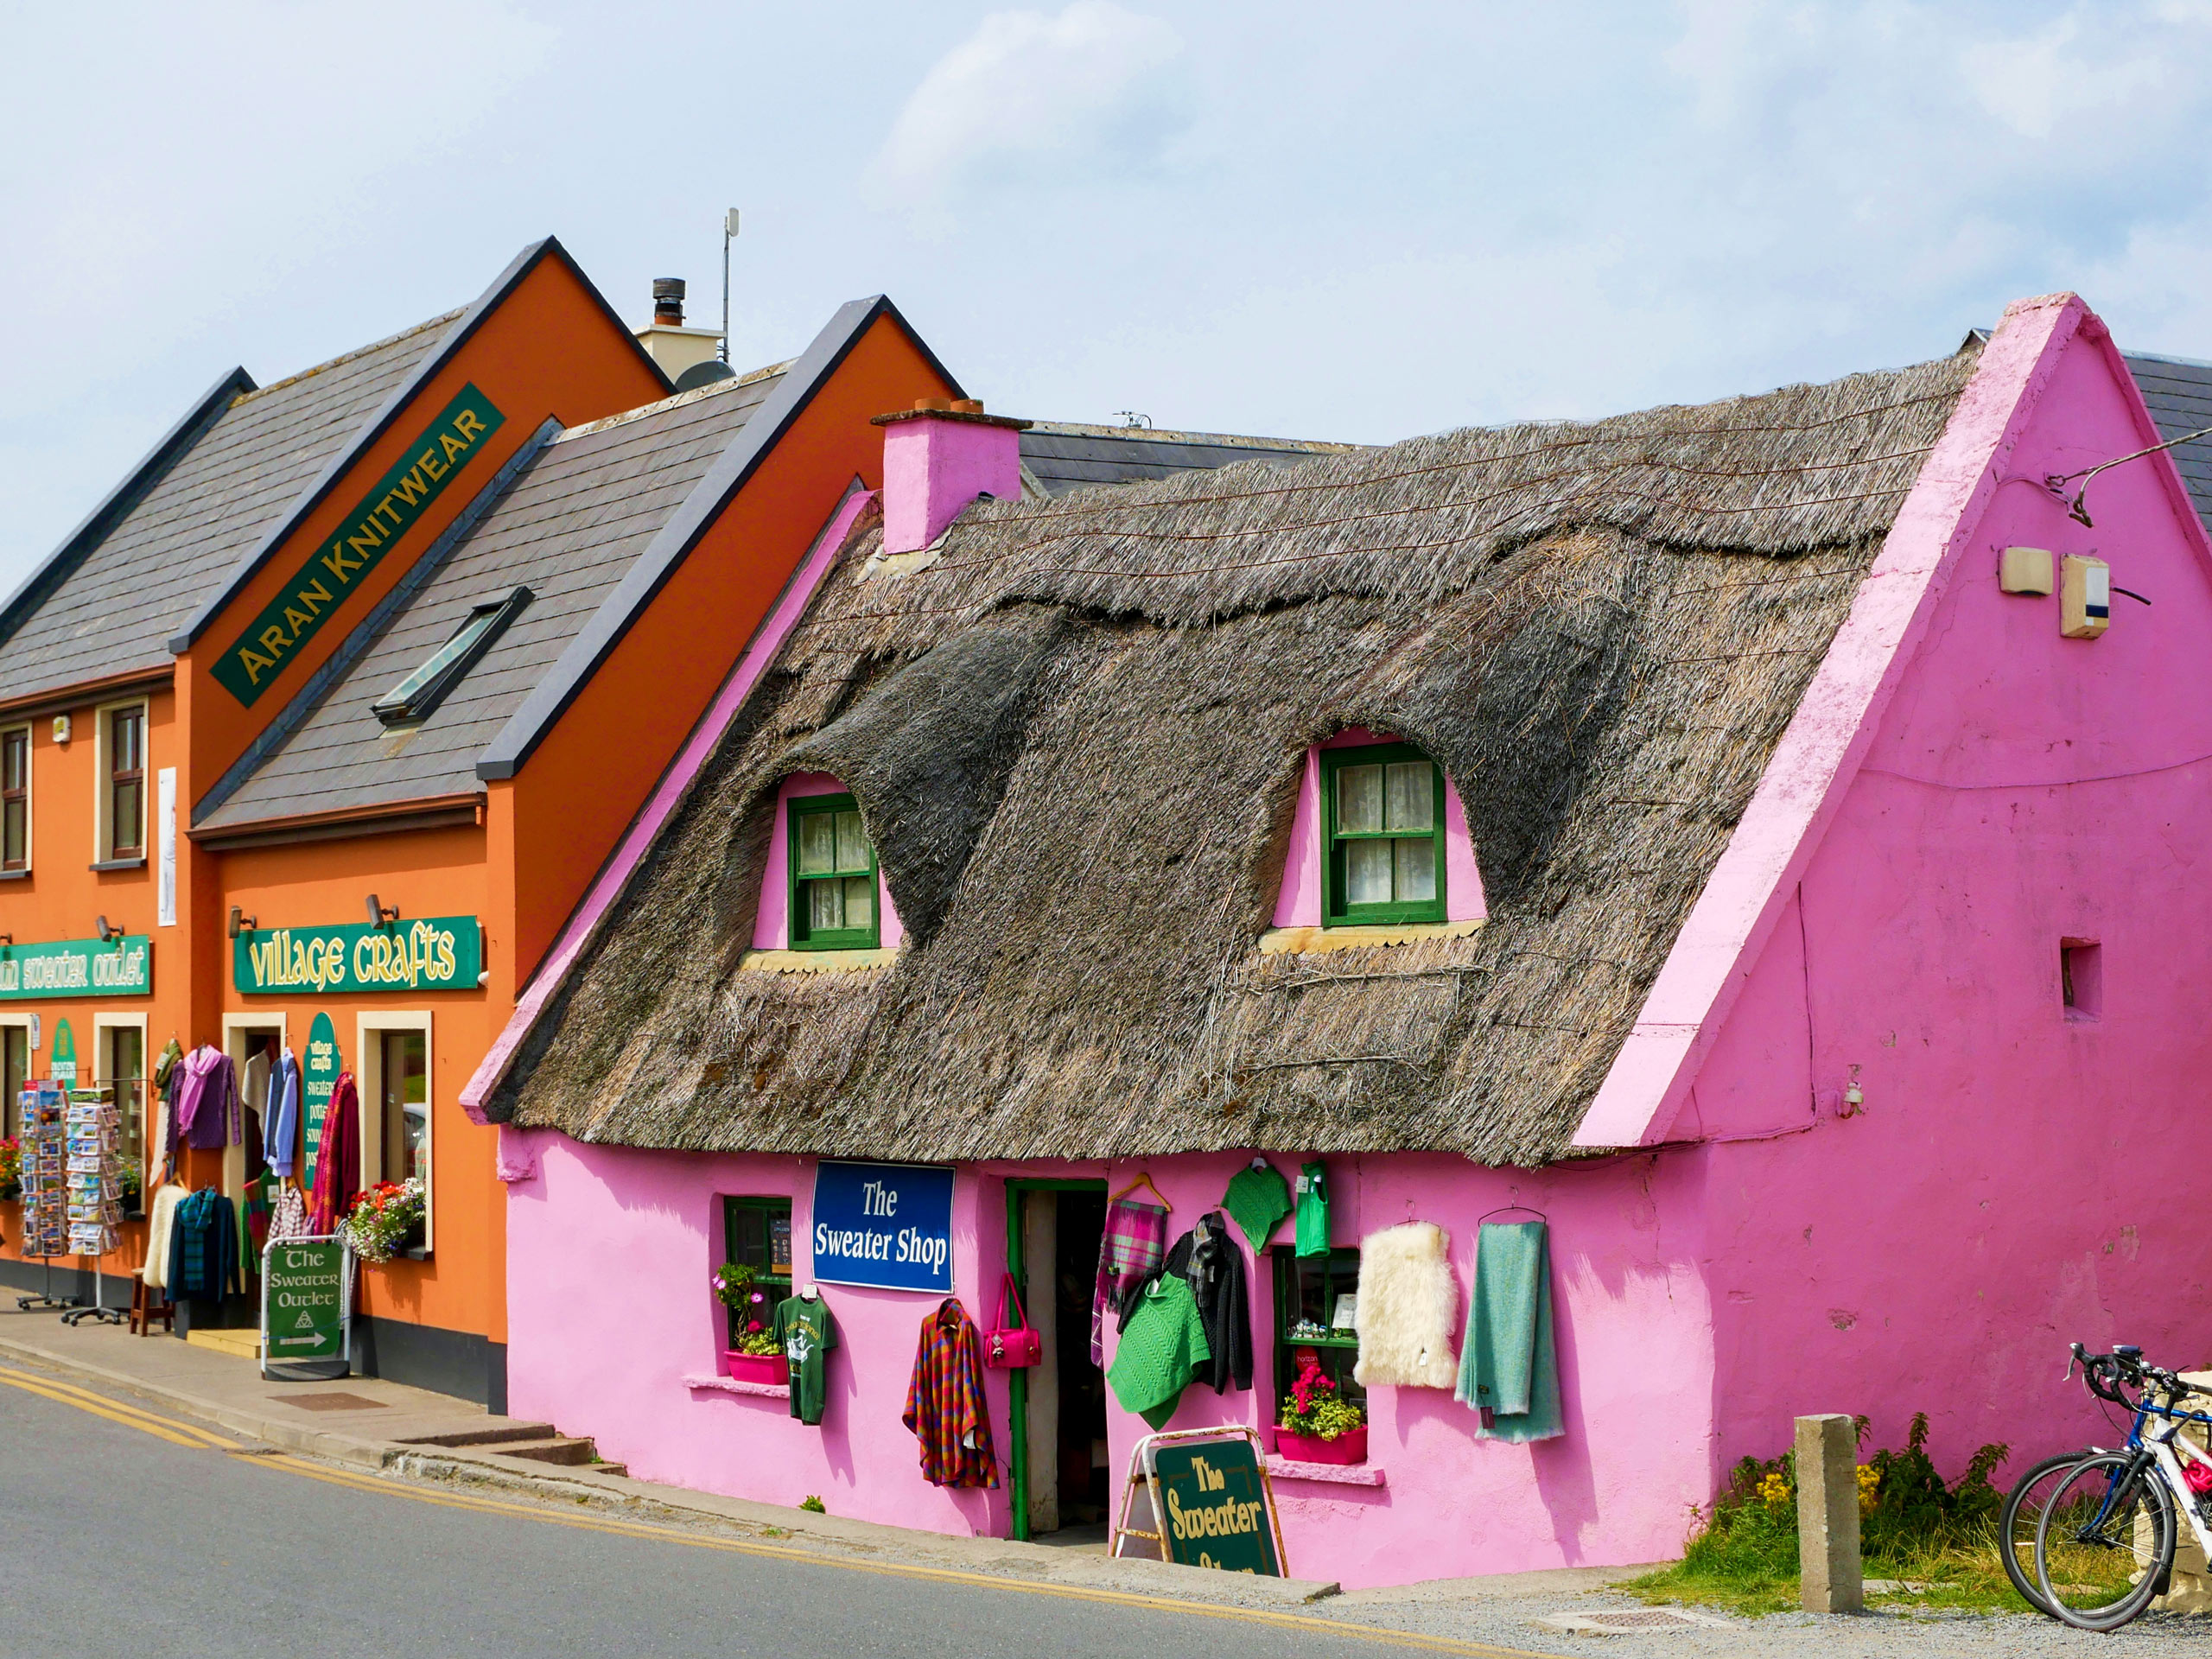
{"points": [[938, 457]]}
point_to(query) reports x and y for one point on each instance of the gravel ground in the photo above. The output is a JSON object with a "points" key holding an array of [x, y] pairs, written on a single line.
{"points": [[1510, 1622]]}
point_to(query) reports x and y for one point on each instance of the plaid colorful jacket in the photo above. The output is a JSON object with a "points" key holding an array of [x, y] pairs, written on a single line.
{"points": [[945, 1405]]}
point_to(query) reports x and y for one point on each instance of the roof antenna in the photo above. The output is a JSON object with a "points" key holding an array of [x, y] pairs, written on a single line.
{"points": [[730, 235], [1132, 419]]}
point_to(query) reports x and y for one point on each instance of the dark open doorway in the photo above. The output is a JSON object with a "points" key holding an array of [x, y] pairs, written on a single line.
{"points": [[1061, 1481]]}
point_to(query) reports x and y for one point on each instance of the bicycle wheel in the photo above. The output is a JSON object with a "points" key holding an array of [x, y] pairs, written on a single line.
{"points": [[2016, 1524], [2105, 1544]]}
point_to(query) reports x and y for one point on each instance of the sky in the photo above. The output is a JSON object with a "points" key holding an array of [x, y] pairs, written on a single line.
{"points": [[1284, 220]]}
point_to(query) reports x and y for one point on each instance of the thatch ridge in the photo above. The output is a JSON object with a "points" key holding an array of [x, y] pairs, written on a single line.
{"points": [[1077, 738]]}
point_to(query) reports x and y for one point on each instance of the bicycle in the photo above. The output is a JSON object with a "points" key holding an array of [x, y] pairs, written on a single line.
{"points": [[2023, 1512], [2106, 1540]]}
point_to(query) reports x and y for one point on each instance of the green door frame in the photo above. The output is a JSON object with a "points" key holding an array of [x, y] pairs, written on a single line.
{"points": [[1017, 1380]]}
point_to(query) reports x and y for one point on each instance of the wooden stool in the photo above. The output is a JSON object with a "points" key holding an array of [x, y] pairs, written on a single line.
{"points": [[149, 1303]]}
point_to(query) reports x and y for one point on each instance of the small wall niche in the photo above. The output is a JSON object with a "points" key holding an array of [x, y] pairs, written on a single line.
{"points": [[2081, 978]]}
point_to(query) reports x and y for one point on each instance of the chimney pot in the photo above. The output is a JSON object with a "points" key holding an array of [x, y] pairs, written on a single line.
{"points": [[967, 405], [668, 301], [933, 405]]}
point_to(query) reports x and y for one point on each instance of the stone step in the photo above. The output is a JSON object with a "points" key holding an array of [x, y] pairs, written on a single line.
{"points": [[562, 1451], [493, 1432]]}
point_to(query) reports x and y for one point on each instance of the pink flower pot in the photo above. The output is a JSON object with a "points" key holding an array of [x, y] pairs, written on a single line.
{"points": [[1350, 1447], [755, 1367]]}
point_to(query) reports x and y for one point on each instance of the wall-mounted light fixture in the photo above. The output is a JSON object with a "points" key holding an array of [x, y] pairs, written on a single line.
{"points": [[380, 913], [7, 939], [108, 933], [242, 923]]}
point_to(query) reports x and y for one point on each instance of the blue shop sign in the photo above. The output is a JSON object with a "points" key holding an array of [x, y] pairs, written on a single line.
{"points": [[889, 1225]]}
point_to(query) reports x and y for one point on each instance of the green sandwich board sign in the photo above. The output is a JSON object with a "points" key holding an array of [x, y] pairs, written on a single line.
{"points": [[1213, 1496], [436, 953], [306, 1301], [123, 966], [378, 521], [318, 1076]]}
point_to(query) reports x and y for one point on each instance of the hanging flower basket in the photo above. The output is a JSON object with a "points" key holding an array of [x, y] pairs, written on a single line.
{"points": [[1350, 1447], [756, 1368], [386, 1221]]}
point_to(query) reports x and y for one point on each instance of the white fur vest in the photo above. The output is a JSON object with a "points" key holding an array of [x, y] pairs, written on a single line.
{"points": [[1408, 1309]]}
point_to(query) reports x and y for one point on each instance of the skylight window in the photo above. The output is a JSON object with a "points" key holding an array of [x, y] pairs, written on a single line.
{"points": [[414, 697]]}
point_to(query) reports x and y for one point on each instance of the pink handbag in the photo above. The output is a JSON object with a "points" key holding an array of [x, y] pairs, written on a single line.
{"points": [[1012, 1347]]}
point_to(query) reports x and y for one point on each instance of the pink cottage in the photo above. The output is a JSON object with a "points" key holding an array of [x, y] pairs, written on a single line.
{"points": [[1756, 840]]}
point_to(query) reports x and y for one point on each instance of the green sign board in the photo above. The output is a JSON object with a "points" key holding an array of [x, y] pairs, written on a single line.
{"points": [[1214, 1504], [63, 1066], [318, 1074], [123, 966], [387, 512], [305, 1300], [438, 953]]}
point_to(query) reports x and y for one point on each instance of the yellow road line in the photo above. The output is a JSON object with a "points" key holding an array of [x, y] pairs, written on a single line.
{"points": [[129, 1419], [70, 1394], [1304, 1623]]}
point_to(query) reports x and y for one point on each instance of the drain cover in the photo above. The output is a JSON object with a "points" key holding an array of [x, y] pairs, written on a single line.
{"points": [[328, 1402], [1625, 1621]]}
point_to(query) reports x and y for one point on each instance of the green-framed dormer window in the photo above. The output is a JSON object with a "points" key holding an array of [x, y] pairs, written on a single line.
{"points": [[832, 876], [1384, 806]]}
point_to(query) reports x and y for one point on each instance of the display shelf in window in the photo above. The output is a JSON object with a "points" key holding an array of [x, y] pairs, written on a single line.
{"points": [[1316, 1293], [833, 876], [757, 1237], [1384, 805]]}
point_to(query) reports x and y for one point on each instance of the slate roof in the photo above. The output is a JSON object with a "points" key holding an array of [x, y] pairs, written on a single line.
{"points": [[2179, 392], [568, 528], [1063, 455], [116, 611]]}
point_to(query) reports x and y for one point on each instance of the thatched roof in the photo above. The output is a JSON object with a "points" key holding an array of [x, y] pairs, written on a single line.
{"points": [[1077, 738]]}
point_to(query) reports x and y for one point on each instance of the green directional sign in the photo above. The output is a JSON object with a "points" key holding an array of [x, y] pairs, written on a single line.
{"points": [[318, 1076], [303, 1301], [1215, 1505], [63, 1067]]}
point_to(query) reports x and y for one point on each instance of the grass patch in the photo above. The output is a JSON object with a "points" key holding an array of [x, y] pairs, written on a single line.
{"points": [[1913, 1528]]}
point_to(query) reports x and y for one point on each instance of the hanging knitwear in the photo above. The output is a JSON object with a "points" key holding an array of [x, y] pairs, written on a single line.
{"points": [[1312, 1211], [1508, 1371], [1162, 1349], [1257, 1199], [945, 1405], [1136, 1235]]}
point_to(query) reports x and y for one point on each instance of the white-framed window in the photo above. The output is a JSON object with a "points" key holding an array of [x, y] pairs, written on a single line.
{"points": [[397, 1066], [15, 799], [119, 1060], [15, 1069], [122, 800]]}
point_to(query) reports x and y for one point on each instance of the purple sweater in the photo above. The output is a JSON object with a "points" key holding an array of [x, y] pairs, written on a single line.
{"points": [[208, 1100]]}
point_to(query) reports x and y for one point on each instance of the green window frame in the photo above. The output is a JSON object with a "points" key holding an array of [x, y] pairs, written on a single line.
{"points": [[1307, 1288], [1380, 842], [757, 1234], [832, 869]]}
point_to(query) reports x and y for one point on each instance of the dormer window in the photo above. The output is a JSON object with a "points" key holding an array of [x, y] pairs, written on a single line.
{"points": [[1385, 822], [832, 876]]}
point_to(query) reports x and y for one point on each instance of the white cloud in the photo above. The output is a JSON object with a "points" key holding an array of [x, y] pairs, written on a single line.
{"points": [[1090, 93]]}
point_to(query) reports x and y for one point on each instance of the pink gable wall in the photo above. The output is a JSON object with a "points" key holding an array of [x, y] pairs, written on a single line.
{"points": [[772, 922], [2017, 1179], [1299, 903]]}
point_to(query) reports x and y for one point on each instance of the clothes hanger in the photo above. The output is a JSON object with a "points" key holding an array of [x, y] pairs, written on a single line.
{"points": [[1507, 1209], [1144, 1178]]}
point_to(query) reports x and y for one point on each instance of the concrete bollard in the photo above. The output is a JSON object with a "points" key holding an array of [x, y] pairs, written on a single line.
{"points": [[1828, 1516]]}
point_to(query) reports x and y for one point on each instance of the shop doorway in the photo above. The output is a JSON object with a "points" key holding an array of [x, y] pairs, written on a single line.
{"points": [[254, 1047], [1061, 1480]]}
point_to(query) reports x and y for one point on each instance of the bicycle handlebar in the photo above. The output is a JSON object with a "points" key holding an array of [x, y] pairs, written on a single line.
{"points": [[2105, 1374]]}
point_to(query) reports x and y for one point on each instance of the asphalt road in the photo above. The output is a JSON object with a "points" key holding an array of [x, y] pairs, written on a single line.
{"points": [[133, 1534]]}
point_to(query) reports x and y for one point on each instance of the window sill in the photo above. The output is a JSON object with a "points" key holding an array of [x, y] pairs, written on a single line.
{"points": [[732, 1385], [815, 961], [1311, 940], [1327, 1474], [15, 876], [138, 863]]}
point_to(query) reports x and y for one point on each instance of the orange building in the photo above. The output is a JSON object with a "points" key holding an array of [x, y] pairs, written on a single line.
{"points": [[328, 716]]}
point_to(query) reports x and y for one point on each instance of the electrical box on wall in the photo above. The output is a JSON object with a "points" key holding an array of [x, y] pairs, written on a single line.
{"points": [[62, 729], [2084, 597], [2025, 570]]}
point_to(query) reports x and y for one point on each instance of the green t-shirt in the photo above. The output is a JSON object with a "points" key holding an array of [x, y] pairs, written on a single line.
{"points": [[1312, 1211], [808, 1334]]}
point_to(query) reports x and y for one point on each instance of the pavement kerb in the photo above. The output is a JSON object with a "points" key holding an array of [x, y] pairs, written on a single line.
{"points": [[523, 1476]]}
